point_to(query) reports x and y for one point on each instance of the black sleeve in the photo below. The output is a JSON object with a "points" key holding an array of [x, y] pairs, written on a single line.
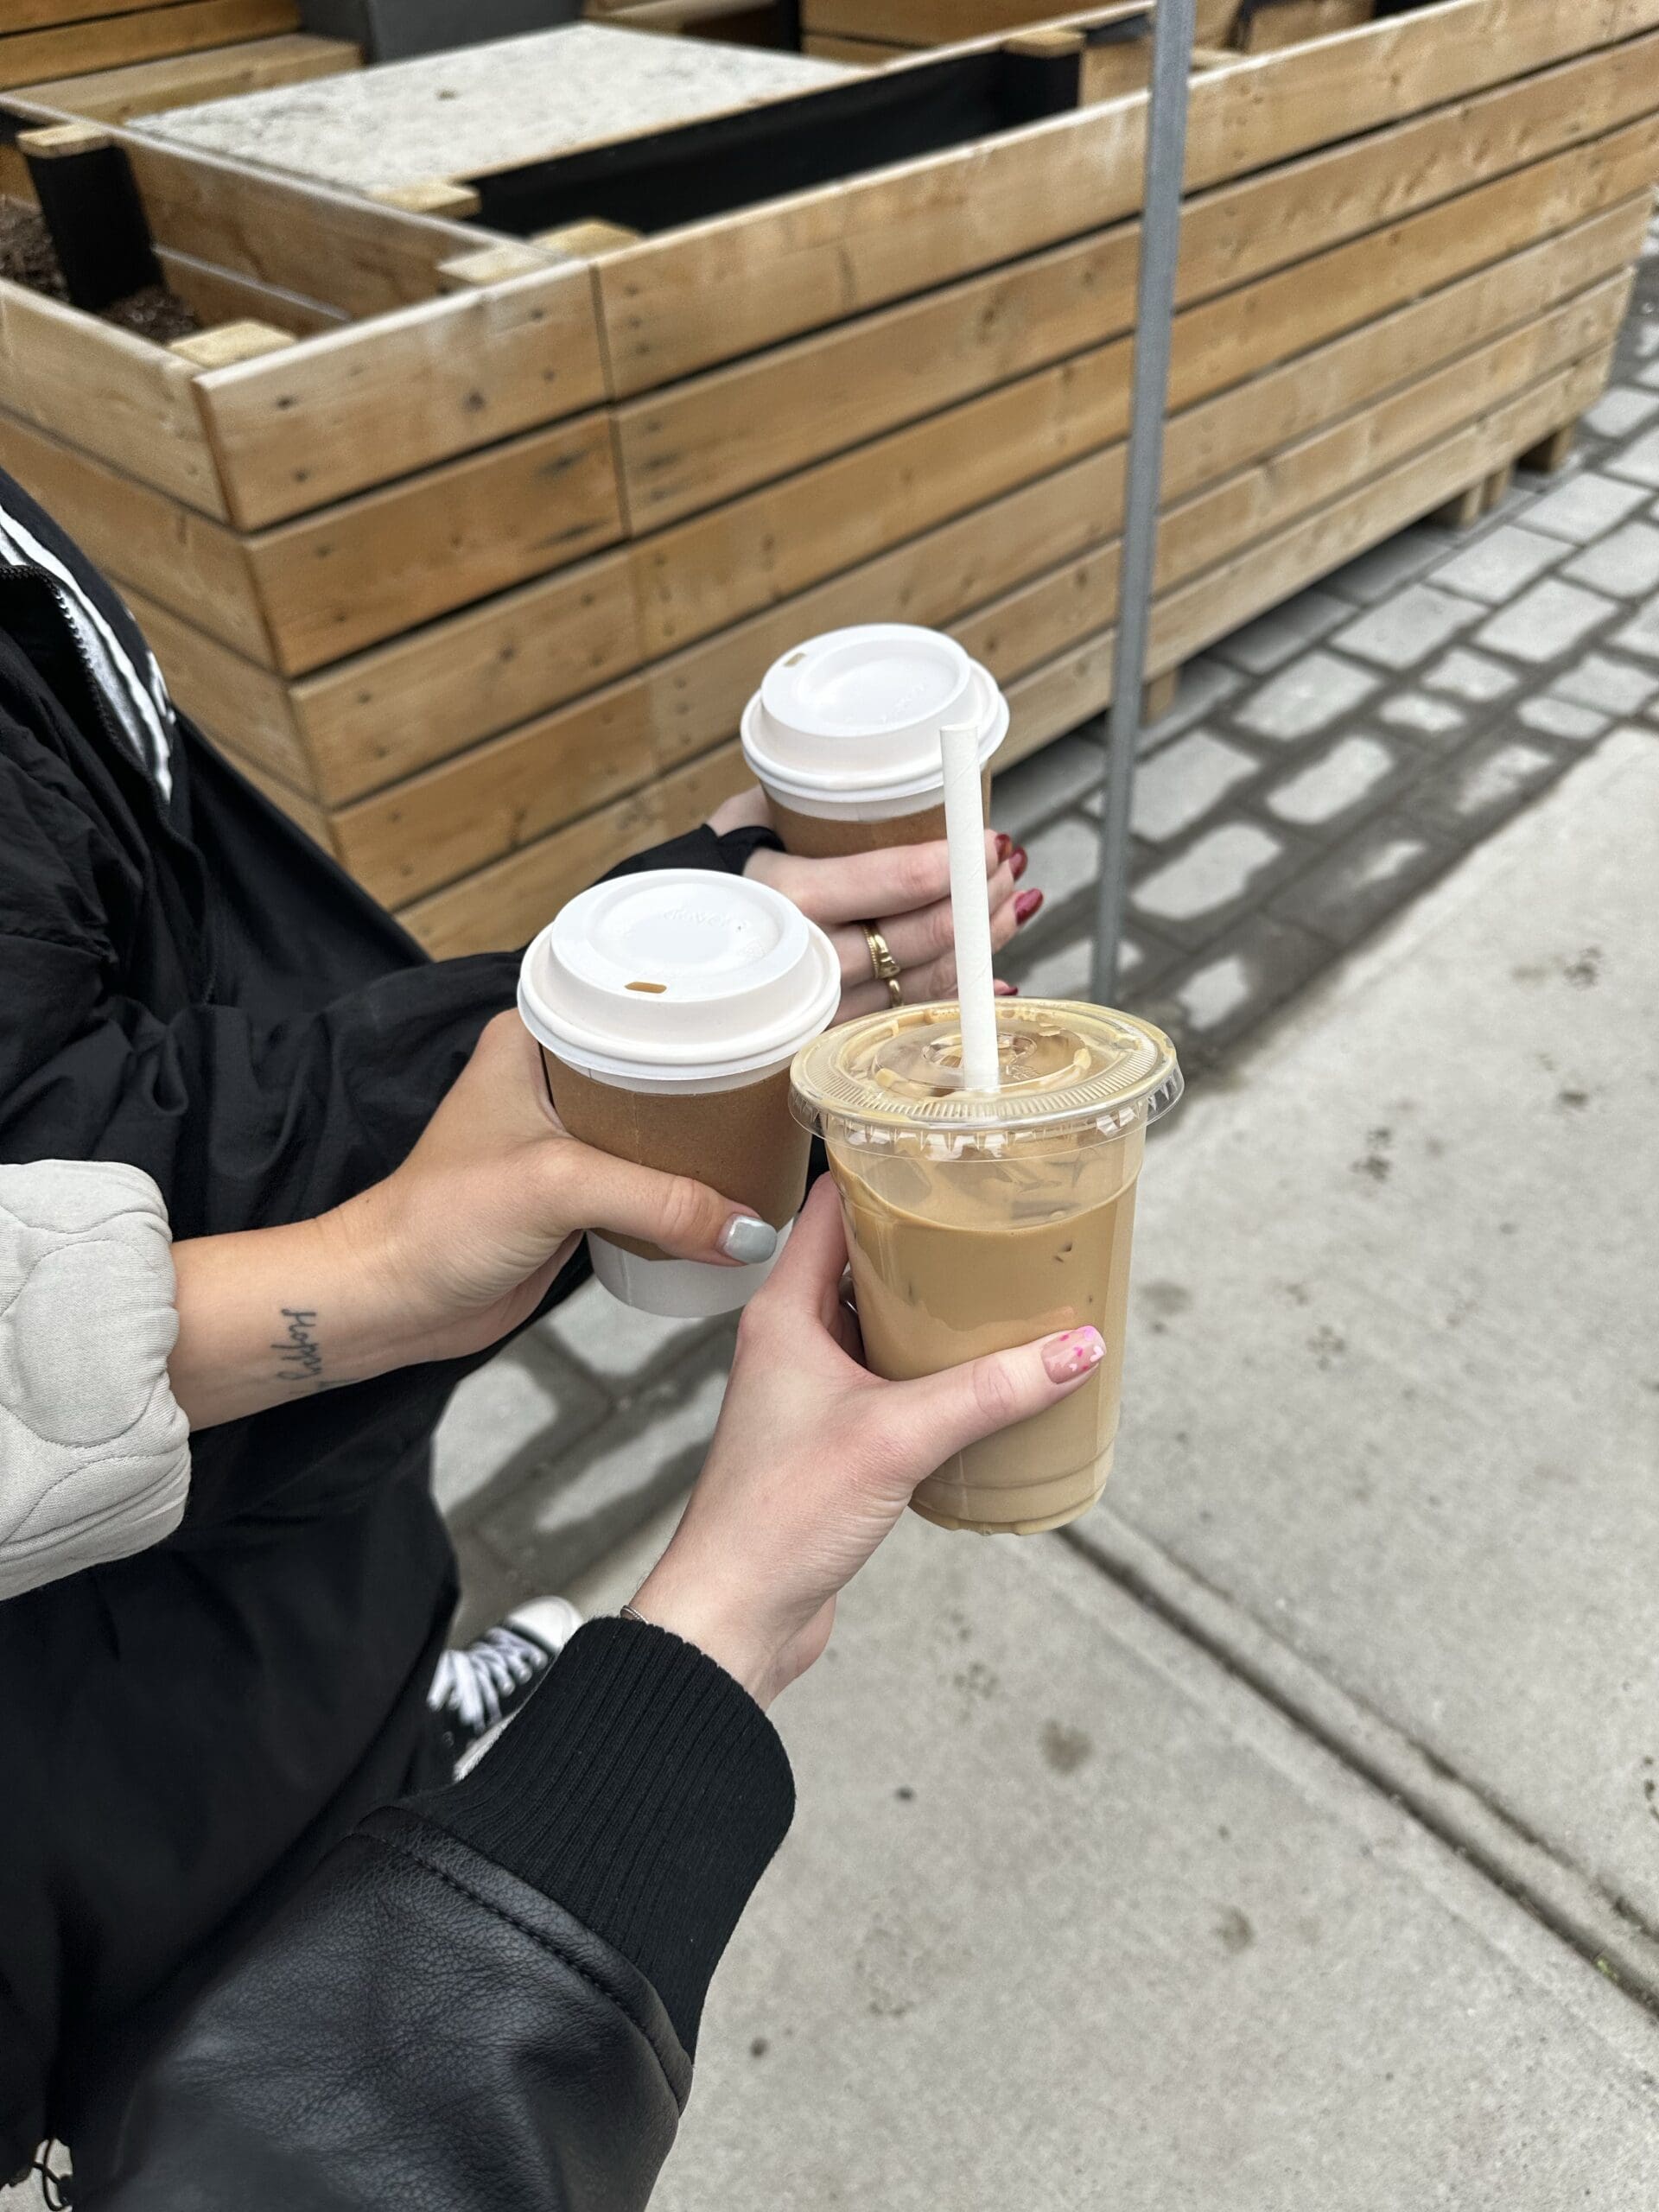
{"points": [[485, 2000]]}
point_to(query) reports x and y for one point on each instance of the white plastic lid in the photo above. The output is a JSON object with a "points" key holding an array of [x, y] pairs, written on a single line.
{"points": [[856, 713], [680, 973]]}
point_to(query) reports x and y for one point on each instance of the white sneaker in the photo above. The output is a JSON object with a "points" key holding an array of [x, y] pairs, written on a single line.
{"points": [[476, 1690]]}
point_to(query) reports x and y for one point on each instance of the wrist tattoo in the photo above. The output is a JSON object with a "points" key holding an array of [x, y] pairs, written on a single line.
{"points": [[299, 1355]]}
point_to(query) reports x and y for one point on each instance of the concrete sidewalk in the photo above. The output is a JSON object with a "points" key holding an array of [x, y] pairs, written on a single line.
{"points": [[1176, 1863]]}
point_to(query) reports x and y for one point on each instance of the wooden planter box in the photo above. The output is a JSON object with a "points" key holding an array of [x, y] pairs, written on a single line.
{"points": [[478, 581]]}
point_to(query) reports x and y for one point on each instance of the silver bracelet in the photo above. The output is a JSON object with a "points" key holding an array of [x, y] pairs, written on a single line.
{"points": [[627, 1613]]}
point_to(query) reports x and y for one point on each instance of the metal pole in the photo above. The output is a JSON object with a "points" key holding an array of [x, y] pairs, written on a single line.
{"points": [[1161, 241]]}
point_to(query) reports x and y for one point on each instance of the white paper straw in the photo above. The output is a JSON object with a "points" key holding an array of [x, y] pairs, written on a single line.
{"points": [[970, 904]]}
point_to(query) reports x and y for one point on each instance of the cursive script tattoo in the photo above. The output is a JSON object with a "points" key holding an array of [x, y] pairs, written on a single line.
{"points": [[299, 1355]]}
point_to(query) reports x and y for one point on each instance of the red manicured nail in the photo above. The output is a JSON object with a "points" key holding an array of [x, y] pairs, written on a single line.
{"points": [[1019, 860], [1026, 905], [1076, 1353], [1004, 846], [1006, 990]]}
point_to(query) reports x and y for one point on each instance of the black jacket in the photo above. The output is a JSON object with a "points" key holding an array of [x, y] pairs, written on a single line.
{"points": [[189, 984]]}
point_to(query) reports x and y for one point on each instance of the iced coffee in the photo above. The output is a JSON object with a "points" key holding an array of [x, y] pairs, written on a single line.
{"points": [[977, 1221], [842, 736]]}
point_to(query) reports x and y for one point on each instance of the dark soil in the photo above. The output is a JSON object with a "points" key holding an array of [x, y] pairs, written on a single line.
{"points": [[28, 257]]}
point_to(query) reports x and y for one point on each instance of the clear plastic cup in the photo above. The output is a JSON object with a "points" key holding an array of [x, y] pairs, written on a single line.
{"points": [[843, 736], [668, 1006], [977, 1221]]}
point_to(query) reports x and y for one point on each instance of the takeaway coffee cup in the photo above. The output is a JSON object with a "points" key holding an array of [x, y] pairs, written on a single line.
{"points": [[668, 1006], [843, 736], [977, 1220]]}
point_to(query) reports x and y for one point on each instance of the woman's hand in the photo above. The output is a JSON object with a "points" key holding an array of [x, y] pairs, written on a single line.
{"points": [[904, 892], [455, 1247], [814, 1458]]}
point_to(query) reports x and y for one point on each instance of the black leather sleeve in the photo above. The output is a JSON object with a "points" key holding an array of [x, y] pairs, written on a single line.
{"points": [[420, 2029]]}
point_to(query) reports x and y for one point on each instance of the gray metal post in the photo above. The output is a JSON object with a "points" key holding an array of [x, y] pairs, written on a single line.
{"points": [[1161, 242]]}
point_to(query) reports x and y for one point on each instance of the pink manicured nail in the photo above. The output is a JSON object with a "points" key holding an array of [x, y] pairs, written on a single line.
{"points": [[1073, 1354], [1026, 905], [1019, 860], [1006, 990], [1004, 845]]}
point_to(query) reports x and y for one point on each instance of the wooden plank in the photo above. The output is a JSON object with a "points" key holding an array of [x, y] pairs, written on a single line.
{"points": [[372, 566], [182, 79], [864, 53], [1550, 454], [243, 339], [44, 15], [129, 401], [456, 816], [719, 434], [194, 565], [924, 22], [301, 236], [430, 195], [221, 296], [245, 705], [1279, 23], [113, 40], [353, 407], [708, 293], [726, 563]]}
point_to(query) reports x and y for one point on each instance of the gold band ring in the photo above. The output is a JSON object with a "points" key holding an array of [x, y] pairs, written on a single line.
{"points": [[883, 966]]}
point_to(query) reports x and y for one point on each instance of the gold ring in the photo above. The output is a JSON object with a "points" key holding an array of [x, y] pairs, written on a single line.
{"points": [[895, 989], [883, 966]]}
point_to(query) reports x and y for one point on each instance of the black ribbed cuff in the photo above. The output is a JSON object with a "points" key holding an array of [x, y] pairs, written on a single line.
{"points": [[642, 1789]]}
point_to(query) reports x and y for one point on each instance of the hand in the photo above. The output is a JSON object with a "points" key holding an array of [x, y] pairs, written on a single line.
{"points": [[904, 891], [486, 1209], [814, 1459]]}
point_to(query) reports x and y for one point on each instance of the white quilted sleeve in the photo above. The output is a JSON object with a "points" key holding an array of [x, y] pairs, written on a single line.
{"points": [[94, 1454]]}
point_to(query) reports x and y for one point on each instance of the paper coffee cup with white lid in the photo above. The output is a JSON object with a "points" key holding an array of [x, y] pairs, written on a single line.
{"points": [[843, 736], [668, 1006]]}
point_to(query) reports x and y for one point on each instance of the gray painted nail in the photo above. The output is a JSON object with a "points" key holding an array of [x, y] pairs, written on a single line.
{"points": [[748, 1240]]}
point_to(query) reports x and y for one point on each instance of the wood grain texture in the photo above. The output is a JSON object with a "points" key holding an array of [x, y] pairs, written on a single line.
{"points": [[181, 80], [221, 296], [351, 408], [246, 706], [676, 304], [715, 436], [113, 40], [130, 403], [1292, 23]]}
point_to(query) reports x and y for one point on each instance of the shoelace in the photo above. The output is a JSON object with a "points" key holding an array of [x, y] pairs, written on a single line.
{"points": [[472, 1683]]}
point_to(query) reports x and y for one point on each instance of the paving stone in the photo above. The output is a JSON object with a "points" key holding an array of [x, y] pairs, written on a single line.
{"points": [[1644, 337], [1064, 858], [1386, 566], [1180, 784], [1308, 695], [1488, 779], [1641, 636], [1620, 412], [497, 1415], [1625, 563], [1028, 794], [1266, 644], [1375, 871], [1230, 991], [1470, 675], [1205, 683], [1351, 773], [1547, 621], [1401, 631], [1649, 376], [613, 1340], [1559, 718], [1499, 563], [576, 1506], [1583, 507], [1214, 874], [1596, 681], [1640, 462], [1416, 711]]}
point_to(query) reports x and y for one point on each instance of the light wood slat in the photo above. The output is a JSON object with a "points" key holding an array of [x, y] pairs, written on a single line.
{"points": [[956, 22], [299, 235], [1079, 684], [863, 53], [726, 563], [228, 696], [196, 565], [130, 402], [384, 398], [393, 710], [113, 40], [221, 296], [715, 290], [1292, 23], [181, 80], [395, 557], [716, 436], [461, 813], [47, 15]]}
